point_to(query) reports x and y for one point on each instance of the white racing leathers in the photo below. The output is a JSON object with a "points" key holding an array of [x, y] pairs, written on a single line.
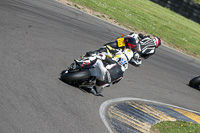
{"points": [[145, 48]]}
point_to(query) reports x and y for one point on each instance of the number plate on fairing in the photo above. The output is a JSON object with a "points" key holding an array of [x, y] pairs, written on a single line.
{"points": [[120, 42]]}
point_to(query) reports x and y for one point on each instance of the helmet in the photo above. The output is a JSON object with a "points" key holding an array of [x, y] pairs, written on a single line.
{"points": [[128, 53], [130, 42], [157, 42]]}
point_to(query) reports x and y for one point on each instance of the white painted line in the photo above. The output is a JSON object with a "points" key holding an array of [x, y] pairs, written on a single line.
{"points": [[106, 104]]}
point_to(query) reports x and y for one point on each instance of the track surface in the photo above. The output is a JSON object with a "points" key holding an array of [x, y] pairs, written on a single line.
{"points": [[40, 38]]}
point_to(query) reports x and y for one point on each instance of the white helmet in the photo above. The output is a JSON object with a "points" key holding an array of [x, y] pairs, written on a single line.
{"points": [[128, 53]]}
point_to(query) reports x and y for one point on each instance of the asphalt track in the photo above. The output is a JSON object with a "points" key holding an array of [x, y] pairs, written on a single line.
{"points": [[40, 38]]}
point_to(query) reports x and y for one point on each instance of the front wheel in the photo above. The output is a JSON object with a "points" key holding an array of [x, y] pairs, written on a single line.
{"points": [[75, 76], [195, 82]]}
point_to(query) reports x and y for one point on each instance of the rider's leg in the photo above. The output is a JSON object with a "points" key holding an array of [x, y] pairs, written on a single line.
{"points": [[99, 71], [96, 90], [100, 85]]}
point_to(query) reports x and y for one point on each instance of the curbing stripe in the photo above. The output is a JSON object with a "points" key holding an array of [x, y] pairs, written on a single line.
{"points": [[188, 114], [131, 121], [155, 113]]}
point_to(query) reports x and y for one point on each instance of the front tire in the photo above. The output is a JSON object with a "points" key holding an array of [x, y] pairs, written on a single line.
{"points": [[75, 76], [195, 82]]}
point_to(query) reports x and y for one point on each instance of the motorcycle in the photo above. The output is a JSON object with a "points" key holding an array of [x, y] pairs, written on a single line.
{"points": [[195, 82], [121, 45], [146, 46], [84, 71]]}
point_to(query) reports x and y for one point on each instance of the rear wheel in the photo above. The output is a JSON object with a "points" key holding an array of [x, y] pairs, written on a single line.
{"points": [[75, 76], [195, 82]]}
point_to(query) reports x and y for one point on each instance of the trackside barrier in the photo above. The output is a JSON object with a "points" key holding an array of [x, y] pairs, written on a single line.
{"points": [[186, 8]]}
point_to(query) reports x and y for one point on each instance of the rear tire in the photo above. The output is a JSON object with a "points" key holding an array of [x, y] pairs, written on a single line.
{"points": [[195, 82], [76, 76]]}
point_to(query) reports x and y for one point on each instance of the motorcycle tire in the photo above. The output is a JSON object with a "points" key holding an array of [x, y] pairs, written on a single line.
{"points": [[75, 76], [195, 82]]}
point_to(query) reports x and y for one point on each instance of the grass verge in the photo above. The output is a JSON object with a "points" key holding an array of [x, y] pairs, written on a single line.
{"points": [[143, 15], [197, 1], [175, 127]]}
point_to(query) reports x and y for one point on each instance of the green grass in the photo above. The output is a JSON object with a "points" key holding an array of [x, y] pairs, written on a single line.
{"points": [[175, 127], [144, 15], [197, 1]]}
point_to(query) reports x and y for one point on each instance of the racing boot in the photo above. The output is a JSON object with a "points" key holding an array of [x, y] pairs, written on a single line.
{"points": [[95, 91]]}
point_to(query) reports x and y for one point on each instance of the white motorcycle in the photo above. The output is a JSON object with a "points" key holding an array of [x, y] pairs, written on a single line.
{"points": [[91, 67]]}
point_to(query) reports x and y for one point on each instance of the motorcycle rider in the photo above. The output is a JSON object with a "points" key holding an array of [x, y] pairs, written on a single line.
{"points": [[142, 46], [110, 68], [145, 46]]}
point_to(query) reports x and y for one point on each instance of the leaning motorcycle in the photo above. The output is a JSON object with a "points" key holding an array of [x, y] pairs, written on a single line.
{"points": [[83, 71]]}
